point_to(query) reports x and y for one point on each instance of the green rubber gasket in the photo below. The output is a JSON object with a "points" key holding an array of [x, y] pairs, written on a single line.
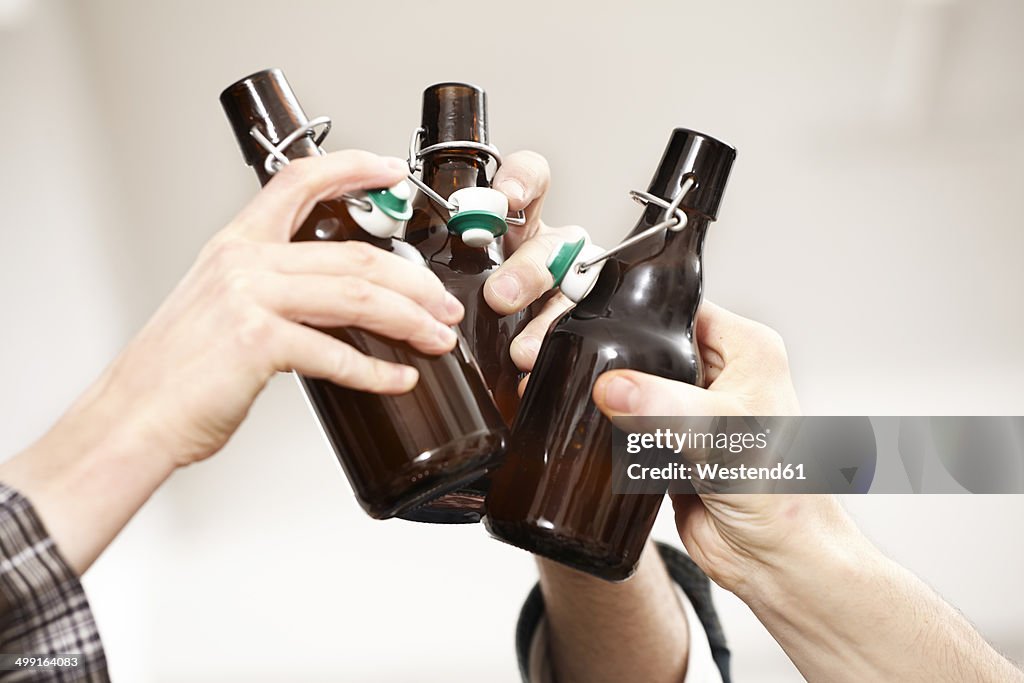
{"points": [[468, 220], [564, 259], [386, 201]]}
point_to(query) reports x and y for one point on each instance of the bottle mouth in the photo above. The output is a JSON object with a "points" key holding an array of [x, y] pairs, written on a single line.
{"points": [[692, 154], [454, 111], [263, 99]]}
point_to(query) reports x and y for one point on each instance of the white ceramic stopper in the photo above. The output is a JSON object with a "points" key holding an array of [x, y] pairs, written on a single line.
{"points": [[479, 199], [575, 284], [377, 222]]}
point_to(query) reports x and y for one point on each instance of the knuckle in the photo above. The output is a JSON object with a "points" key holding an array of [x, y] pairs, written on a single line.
{"points": [[361, 254], [357, 291], [226, 253], [254, 329], [296, 174], [399, 312], [771, 343], [343, 364], [536, 273], [429, 294], [353, 156], [420, 323], [238, 282], [538, 327], [772, 338], [349, 162], [429, 284], [534, 164]]}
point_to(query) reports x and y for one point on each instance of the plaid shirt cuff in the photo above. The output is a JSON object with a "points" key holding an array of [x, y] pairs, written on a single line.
{"points": [[43, 608]]}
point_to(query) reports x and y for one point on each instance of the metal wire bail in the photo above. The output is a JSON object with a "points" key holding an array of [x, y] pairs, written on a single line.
{"points": [[674, 220], [415, 161], [276, 158]]}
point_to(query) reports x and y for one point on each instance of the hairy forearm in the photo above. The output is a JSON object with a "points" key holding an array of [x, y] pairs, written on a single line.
{"points": [[89, 474], [848, 613], [630, 631]]}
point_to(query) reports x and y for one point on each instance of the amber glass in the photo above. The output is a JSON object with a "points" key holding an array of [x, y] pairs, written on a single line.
{"points": [[553, 494], [397, 451], [453, 112], [458, 112]]}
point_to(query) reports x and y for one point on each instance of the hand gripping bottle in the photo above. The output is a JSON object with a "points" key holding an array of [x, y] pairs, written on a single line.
{"points": [[397, 451], [637, 307], [457, 224]]}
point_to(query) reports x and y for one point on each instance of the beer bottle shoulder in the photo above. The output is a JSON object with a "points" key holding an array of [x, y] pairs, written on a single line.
{"points": [[601, 344], [660, 295]]}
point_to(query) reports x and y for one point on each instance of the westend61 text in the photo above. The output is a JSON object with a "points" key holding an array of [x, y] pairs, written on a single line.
{"points": [[714, 472]]}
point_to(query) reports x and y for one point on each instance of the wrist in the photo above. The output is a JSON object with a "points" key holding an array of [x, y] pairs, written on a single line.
{"points": [[122, 405], [797, 586], [89, 474], [817, 544]]}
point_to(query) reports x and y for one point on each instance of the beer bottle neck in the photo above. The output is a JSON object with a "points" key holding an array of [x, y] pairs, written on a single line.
{"points": [[657, 282], [670, 247], [445, 173], [303, 147]]}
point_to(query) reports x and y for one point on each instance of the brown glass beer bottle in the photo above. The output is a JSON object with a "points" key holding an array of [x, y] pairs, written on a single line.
{"points": [[397, 451], [464, 248], [553, 494]]}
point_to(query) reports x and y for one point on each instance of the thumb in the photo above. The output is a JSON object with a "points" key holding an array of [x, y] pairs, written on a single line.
{"points": [[627, 392]]}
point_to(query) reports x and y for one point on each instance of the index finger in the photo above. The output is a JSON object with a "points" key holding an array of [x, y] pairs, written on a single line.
{"points": [[524, 177], [524, 276], [280, 207]]}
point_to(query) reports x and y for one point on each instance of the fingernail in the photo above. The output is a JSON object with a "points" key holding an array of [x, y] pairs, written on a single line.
{"points": [[529, 345], [453, 306], [514, 190], [396, 163], [506, 288], [445, 335], [621, 395]]}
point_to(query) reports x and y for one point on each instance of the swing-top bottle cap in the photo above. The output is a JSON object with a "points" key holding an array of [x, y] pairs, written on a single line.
{"points": [[266, 100], [478, 216], [454, 111], [393, 201], [388, 210], [563, 264], [706, 159]]}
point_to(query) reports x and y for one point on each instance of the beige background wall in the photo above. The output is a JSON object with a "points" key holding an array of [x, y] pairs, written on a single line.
{"points": [[872, 218]]}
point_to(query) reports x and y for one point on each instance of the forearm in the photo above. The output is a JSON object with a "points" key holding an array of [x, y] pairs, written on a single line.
{"points": [[844, 612], [89, 474], [599, 631]]}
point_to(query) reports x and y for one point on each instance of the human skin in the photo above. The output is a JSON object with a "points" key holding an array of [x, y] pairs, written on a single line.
{"points": [[242, 313], [840, 609], [185, 382], [596, 631]]}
